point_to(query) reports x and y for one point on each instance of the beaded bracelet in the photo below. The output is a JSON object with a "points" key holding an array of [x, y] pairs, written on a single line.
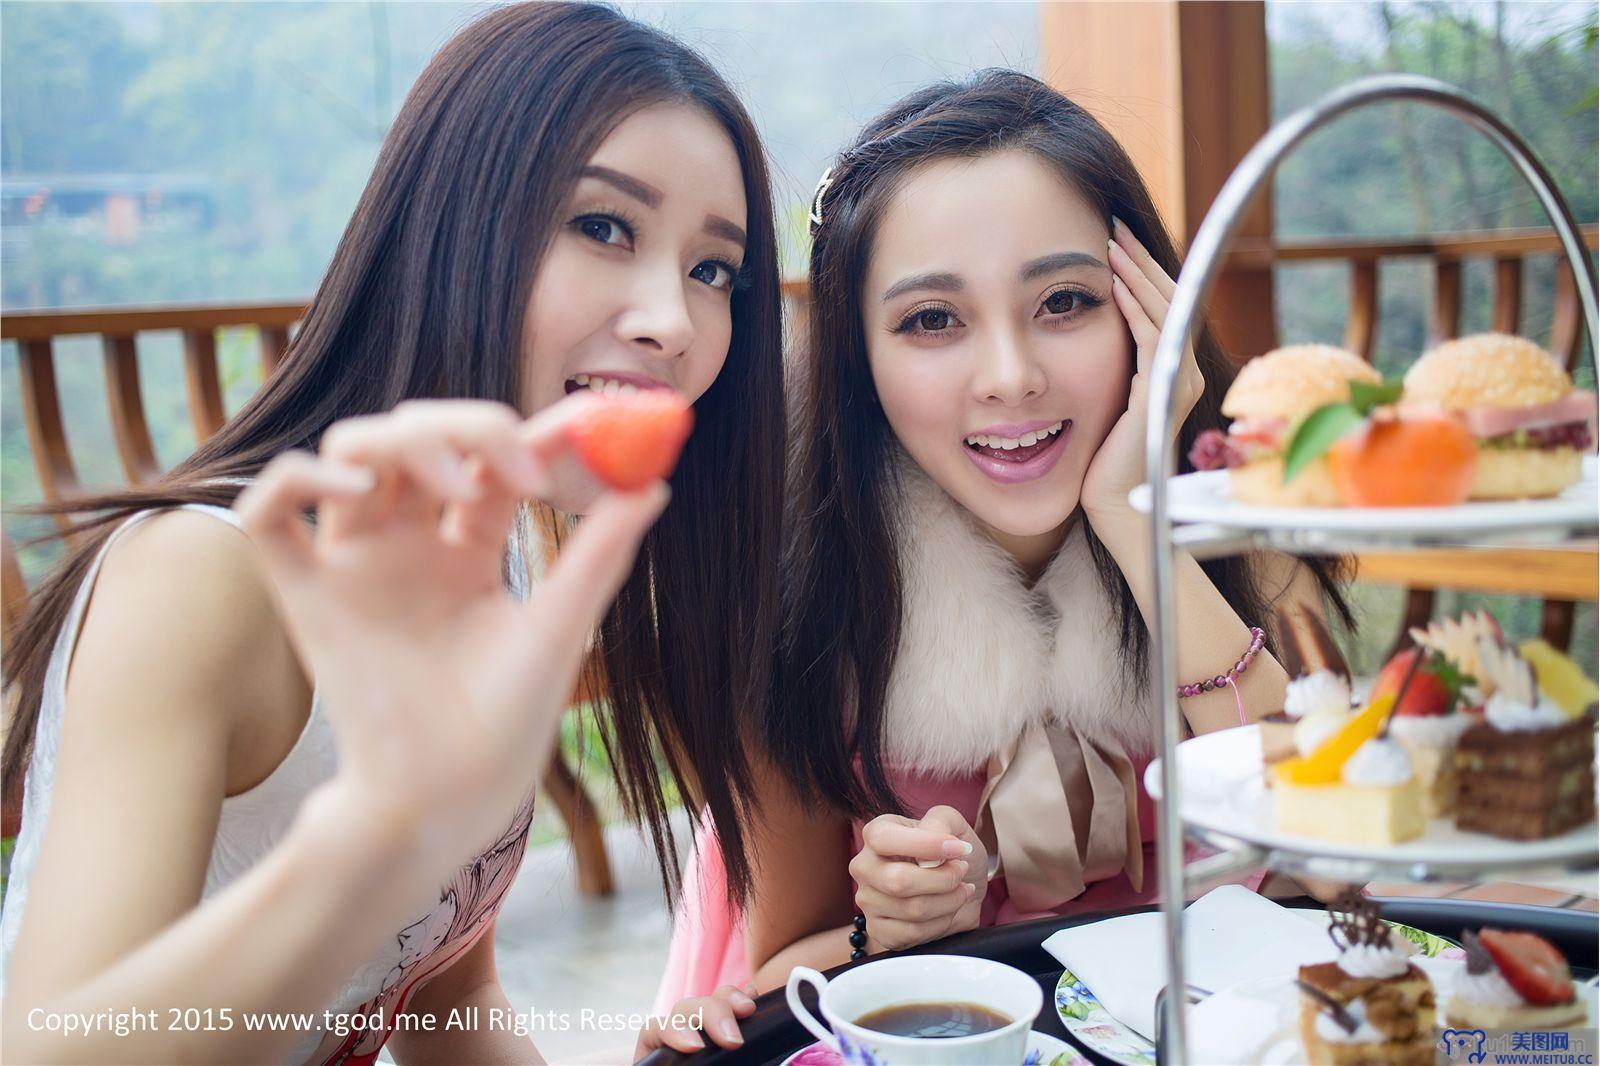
{"points": [[1258, 637], [858, 938]]}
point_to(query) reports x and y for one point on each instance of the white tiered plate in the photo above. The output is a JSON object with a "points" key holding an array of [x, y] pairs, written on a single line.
{"points": [[1204, 498], [1225, 797]]}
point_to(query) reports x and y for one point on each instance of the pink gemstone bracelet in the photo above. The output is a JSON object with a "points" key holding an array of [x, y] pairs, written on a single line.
{"points": [[1230, 679]]}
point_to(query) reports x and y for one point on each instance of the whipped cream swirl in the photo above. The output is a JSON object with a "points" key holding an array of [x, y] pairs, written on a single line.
{"points": [[1431, 730], [1321, 691], [1488, 989], [1379, 761], [1510, 715], [1375, 961]]}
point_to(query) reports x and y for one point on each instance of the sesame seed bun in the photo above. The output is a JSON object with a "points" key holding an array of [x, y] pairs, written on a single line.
{"points": [[1261, 482], [1524, 473], [1486, 370], [1292, 382]]}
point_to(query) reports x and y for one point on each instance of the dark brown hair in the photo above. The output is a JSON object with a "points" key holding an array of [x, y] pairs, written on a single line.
{"points": [[425, 297], [842, 588]]}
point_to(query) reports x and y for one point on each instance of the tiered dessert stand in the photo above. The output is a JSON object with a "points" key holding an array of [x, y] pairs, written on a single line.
{"points": [[1222, 531]]}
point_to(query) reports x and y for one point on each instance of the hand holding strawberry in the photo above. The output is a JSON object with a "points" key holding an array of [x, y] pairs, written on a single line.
{"points": [[630, 441]]}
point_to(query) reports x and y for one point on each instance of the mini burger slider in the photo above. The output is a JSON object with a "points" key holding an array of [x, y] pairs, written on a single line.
{"points": [[1531, 426], [1267, 402]]}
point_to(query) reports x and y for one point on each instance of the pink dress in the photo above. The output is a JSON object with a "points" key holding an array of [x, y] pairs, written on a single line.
{"points": [[708, 941]]}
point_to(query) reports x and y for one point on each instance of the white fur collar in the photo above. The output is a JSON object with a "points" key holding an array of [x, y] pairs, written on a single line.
{"points": [[982, 655]]}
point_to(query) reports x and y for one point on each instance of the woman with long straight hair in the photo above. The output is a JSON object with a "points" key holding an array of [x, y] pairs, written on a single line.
{"points": [[289, 772], [962, 716]]}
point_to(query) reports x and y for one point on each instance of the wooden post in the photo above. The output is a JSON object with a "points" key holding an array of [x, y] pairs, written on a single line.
{"points": [[1183, 86]]}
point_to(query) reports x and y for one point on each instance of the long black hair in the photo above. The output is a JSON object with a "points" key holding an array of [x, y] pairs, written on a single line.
{"points": [[425, 298], [841, 621]]}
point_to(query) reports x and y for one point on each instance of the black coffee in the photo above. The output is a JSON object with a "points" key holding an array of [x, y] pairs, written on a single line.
{"points": [[934, 1021]]}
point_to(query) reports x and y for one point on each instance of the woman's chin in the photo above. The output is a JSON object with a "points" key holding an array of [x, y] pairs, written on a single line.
{"points": [[1017, 512]]}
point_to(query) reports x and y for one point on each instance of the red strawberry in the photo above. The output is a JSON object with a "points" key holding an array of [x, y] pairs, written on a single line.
{"points": [[1531, 965], [1425, 696], [630, 441]]}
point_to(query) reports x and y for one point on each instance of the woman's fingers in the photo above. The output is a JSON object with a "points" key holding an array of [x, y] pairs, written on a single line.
{"points": [[1123, 237], [717, 1014], [914, 908], [895, 837], [591, 569], [719, 1022], [422, 452], [485, 522], [1145, 333], [903, 880], [491, 431], [1151, 299], [272, 507]]}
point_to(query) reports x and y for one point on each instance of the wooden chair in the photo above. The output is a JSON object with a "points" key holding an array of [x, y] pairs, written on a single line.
{"points": [[118, 330]]}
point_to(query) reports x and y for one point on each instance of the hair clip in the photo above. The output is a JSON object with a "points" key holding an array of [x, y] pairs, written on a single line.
{"points": [[815, 215]]}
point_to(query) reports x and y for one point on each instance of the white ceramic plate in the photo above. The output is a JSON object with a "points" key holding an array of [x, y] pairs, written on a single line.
{"points": [[1258, 1021], [1223, 791], [1043, 1050], [1205, 497], [1088, 1021]]}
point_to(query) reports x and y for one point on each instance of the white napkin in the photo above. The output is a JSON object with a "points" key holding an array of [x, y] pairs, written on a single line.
{"points": [[1231, 935]]}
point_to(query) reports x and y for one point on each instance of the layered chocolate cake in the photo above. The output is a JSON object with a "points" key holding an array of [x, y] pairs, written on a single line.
{"points": [[1526, 784]]}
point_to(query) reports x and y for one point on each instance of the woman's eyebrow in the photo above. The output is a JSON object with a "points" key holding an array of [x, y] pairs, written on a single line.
{"points": [[1049, 264], [940, 282], [718, 226], [648, 195]]}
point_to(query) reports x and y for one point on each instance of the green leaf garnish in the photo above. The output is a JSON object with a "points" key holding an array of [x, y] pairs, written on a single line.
{"points": [[1452, 677], [1316, 434], [1366, 398]]}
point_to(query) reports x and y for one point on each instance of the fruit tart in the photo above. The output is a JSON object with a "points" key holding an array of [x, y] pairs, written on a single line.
{"points": [[1513, 981]]}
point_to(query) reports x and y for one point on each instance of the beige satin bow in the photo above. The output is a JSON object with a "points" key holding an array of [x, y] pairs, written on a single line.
{"points": [[1061, 811]]}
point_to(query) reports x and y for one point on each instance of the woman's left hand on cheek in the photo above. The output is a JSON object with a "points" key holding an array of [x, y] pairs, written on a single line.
{"points": [[1142, 292]]}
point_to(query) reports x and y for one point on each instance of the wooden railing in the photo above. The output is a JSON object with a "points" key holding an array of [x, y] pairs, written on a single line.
{"points": [[1557, 574]]}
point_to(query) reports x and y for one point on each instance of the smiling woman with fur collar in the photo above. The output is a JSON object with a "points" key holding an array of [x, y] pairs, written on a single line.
{"points": [[963, 712]]}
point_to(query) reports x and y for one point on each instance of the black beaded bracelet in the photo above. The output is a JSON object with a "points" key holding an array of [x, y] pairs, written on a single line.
{"points": [[858, 938]]}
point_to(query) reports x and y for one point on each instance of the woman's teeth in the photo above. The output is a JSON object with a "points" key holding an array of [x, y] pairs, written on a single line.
{"points": [[610, 387], [1013, 443]]}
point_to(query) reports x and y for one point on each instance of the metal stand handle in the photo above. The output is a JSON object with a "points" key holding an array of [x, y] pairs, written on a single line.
{"points": [[1194, 285]]}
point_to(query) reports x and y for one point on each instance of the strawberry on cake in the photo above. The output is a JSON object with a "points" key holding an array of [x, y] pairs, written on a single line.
{"points": [[1513, 981]]}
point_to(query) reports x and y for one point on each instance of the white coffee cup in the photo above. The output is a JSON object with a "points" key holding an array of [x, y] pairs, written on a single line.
{"points": [[883, 983]]}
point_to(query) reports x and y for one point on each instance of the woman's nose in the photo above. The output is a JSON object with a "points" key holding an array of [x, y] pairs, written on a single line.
{"points": [[1007, 373], [657, 317]]}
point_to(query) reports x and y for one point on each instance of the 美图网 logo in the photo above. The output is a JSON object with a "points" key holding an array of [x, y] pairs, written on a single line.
{"points": [[1554, 1047]]}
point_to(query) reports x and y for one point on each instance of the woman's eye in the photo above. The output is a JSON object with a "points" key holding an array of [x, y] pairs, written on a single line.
{"points": [[928, 321], [933, 320], [1063, 302], [603, 229], [715, 274]]}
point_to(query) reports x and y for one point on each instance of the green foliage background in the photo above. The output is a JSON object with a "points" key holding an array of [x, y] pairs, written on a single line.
{"points": [[280, 107]]}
